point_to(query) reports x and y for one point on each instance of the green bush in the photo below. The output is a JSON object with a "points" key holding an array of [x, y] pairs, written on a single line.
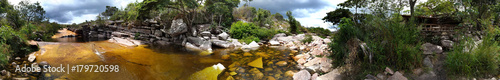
{"points": [[248, 40], [240, 30], [394, 44], [481, 61], [321, 32], [4, 53]]}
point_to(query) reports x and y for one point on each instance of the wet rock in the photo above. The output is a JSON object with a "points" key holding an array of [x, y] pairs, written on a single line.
{"points": [[268, 69], [256, 63], [232, 73], [18, 58], [302, 75], [247, 54], [333, 75], [48, 75], [223, 36], [289, 74], [178, 27], [429, 48], [281, 63], [230, 78], [397, 76], [270, 78], [225, 57], [447, 43], [192, 47], [388, 70]]}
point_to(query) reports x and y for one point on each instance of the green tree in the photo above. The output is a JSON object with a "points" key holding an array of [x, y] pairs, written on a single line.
{"points": [[110, 11], [221, 10], [294, 24], [262, 16], [278, 16], [31, 12], [335, 16]]}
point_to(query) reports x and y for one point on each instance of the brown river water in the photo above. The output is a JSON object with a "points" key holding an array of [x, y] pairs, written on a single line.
{"points": [[156, 63]]}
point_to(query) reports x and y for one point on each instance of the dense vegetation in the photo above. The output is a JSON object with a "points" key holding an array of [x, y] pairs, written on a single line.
{"points": [[395, 42], [22, 23]]}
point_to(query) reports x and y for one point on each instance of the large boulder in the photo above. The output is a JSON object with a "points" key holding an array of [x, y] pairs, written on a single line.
{"points": [[178, 27], [223, 36], [429, 48], [447, 43], [195, 40]]}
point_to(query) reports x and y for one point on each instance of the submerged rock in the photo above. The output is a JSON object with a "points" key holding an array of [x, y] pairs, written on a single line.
{"points": [[209, 73], [256, 63]]}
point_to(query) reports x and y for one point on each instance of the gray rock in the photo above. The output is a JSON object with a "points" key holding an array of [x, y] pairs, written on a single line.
{"points": [[119, 34], [192, 47], [203, 27], [32, 57], [206, 34], [447, 43], [206, 45], [397, 76], [274, 43], [302, 75], [388, 70], [44, 63], [428, 63], [158, 33], [429, 48], [333, 75], [178, 27], [223, 36], [220, 43], [236, 43], [195, 40]]}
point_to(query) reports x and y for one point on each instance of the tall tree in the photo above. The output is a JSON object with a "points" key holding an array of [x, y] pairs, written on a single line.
{"points": [[110, 11], [335, 16], [293, 23], [31, 12]]}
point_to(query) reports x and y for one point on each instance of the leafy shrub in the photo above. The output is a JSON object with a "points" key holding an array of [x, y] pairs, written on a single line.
{"points": [[308, 39], [321, 32], [482, 61], [248, 40], [4, 53], [240, 30], [392, 43]]}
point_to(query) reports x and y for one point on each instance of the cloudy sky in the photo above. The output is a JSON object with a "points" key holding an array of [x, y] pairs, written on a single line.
{"points": [[308, 12]]}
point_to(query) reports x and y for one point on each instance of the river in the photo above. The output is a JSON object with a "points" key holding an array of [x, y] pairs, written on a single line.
{"points": [[162, 63]]}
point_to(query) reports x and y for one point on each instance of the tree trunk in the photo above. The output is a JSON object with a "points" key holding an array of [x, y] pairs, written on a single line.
{"points": [[412, 6]]}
